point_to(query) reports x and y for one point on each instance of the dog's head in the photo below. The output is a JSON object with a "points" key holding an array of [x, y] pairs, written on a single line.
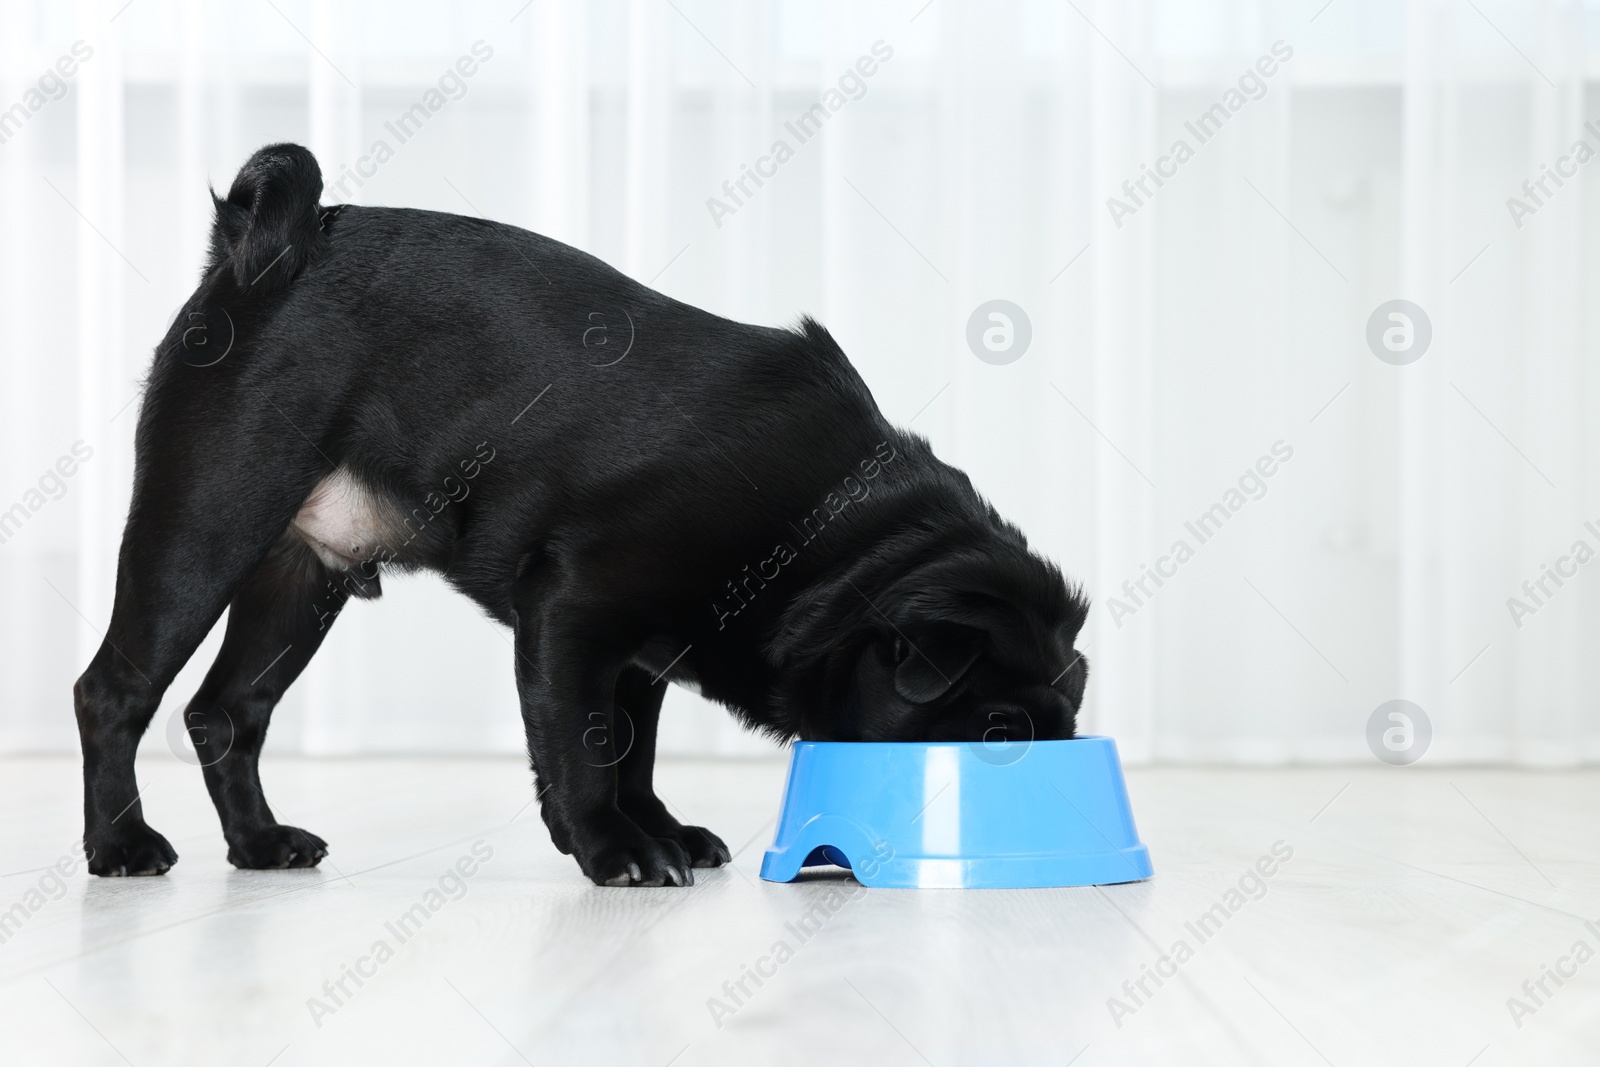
{"points": [[972, 642]]}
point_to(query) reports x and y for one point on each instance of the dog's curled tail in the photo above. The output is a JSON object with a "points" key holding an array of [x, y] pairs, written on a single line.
{"points": [[268, 228]]}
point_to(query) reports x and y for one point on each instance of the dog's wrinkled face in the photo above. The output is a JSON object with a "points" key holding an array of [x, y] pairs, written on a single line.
{"points": [[980, 647], [945, 681]]}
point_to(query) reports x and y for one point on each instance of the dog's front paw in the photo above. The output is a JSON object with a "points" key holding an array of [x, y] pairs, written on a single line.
{"points": [[272, 848], [135, 849], [705, 848], [627, 856]]}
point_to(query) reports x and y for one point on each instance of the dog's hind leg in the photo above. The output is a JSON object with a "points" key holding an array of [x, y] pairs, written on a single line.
{"points": [[209, 501], [220, 471], [639, 702], [276, 621]]}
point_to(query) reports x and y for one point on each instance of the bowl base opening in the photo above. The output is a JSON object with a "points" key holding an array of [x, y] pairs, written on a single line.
{"points": [[824, 855]]}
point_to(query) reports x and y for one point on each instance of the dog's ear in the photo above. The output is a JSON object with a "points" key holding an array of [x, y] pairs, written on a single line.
{"points": [[933, 657]]}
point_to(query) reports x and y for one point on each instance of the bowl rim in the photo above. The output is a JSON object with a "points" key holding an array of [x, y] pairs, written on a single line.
{"points": [[909, 745]]}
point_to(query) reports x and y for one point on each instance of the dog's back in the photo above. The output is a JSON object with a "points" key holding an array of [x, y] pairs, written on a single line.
{"points": [[403, 342]]}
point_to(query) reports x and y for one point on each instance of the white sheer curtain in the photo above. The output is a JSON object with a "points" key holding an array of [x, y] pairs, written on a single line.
{"points": [[1177, 340]]}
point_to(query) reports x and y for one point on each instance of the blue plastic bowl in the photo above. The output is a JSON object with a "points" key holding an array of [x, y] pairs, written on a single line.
{"points": [[953, 815]]}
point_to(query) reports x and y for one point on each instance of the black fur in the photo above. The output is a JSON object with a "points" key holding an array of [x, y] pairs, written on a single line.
{"points": [[643, 491]]}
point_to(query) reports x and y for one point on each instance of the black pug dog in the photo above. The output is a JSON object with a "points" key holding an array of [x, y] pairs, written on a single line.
{"points": [[644, 492]]}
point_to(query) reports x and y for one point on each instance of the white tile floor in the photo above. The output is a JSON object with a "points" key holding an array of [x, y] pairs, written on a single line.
{"points": [[1415, 903]]}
